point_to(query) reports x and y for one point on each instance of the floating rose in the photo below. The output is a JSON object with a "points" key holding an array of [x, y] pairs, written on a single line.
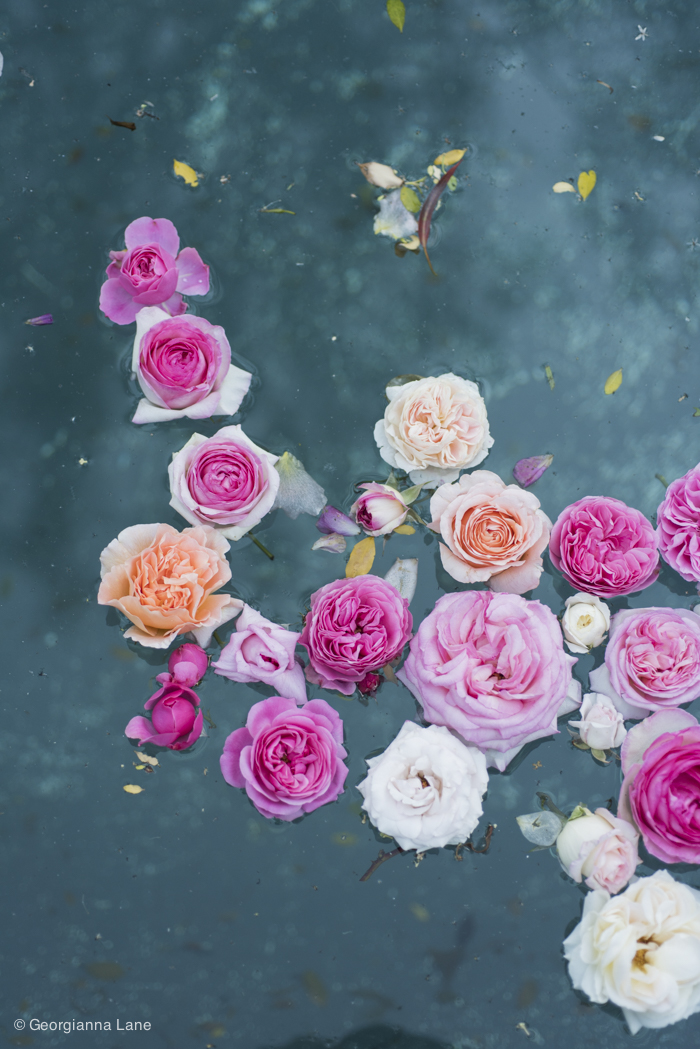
{"points": [[175, 722], [599, 848], [678, 525], [380, 509], [259, 650], [585, 622], [187, 665], [602, 726]]}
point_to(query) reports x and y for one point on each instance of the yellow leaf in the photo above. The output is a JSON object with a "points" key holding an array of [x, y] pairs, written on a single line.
{"points": [[419, 911], [146, 758], [361, 558], [586, 182], [564, 187], [614, 381], [405, 530], [450, 158], [396, 12], [139, 768], [185, 171], [549, 376], [410, 199], [276, 211], [131, 788]]}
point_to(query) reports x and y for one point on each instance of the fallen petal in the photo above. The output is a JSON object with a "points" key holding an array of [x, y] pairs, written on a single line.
{"points": [[333, 543], [563, 187], [46, 318], [380, 175], [527, 471], [333, 520], [403, 575], [298, 493], [541, 828]]}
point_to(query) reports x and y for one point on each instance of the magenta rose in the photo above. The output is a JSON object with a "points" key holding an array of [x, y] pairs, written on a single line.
{"points": [[492, 668], [175, 722], [678, 525], [150, 272], [187, 666], [660, 793], [354, 626], [652, 660], [604, 547], [289, 760], [225, 481], [260, 650], [183, 366]]}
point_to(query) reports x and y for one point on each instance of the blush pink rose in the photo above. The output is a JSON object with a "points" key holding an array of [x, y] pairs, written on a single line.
{"points": [[678, 525], [259, 650], [354, 626], [600, 849], [289, 761], [604, 547], [490, 531], [175, 722], [380, 509], [652, 660], [187, 665], [164, 581], [491, 667], [225, 481], [152, 271], [183, 366]]}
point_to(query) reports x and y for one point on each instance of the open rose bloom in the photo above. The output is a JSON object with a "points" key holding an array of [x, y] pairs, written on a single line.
{"points": [[259, 650], [176, 721], [678, 525], [164, 581], [491, 532], [491, 667], [585, 622], [151, 271], [183, 366], [433, 428], [599, 848]]}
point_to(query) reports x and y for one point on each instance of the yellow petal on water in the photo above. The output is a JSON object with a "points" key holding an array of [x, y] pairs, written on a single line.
{"points": [[405, 530], [146, 758], [419, 911], [380, 175], [183, 170], [139, 768], [410, 199], [549, 375], [450, 158], [396, 12], [407, 244], [586, 182], [131, 788], [361, 558], [614, 381], [563, 187]]}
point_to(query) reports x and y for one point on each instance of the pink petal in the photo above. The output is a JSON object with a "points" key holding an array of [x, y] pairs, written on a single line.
{"points": [[527, 471], [230, 760], [139, 728], [192, 273], [152, 231], [641, 736], [519, 579], [263, 714], [174, 305], [116, 303]]}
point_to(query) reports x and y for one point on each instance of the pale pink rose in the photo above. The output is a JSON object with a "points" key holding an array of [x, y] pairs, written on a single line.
{"points": [[380, 509], [600, 849], [490, 531], [602, 726], [164, 581], [260, 650]]}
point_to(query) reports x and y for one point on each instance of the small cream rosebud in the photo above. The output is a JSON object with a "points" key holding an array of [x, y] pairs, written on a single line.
{"points": [[599, 848], [585, 623], [578, 832], [602, 726]]}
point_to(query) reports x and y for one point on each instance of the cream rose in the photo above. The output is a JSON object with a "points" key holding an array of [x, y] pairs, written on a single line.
{"points": [[640, 950], [433, 428], [602, 726], [585, 622], [599, 848], [164, 582], [425, 790], [490, 531]]}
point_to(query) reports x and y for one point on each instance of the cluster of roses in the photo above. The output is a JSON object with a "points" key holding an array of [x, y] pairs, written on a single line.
{"points": [[488, 667]]}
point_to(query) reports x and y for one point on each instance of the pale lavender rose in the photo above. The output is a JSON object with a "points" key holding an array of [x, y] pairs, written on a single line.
{"points": [[491, 667], [604, 547], [354, 626], [225, 481], [187, 665], [288, 761], [380, 510], [652, 660], [150, 272], [678, 525], [599, 848], [260, 650], [602, 726], [176, 722], [183, 366]]}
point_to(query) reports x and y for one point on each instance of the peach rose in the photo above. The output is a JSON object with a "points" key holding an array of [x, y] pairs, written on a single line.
{"points": [[433, 428], [164, 582], [490, 531]]}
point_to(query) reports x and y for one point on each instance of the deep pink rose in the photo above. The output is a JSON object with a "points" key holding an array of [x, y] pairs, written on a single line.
{"points": [[678, 525], [289, 761], [187, 666], [260, 650], [354, 626], [175, 722], [652, 660], [150, 272], [660, 793], [491, 667], [604, 547]]}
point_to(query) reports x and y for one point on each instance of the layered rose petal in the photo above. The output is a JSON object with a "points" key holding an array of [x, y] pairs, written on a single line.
{"points": [[175, 723], [187, 665], [260, 650], [678, 525]]}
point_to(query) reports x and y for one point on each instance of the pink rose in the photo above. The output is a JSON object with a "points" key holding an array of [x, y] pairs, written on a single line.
{"points": [[263, 651], [187, 665], [150, 272], [164, 581], [225, 481], [661, 788], [183, 365], [652, 660], [380, 510], [604, 547], [354, 626], [599, 848], [289, 761], [491, 532], [602, 726], [491, 667], [678, 525], [175, 722]]}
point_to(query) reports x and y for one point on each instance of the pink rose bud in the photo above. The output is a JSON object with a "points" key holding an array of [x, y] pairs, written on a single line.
{"points": [[600, 849], [46, 318], [187, 666], [527, 471], [380, 510], [335, 521], [175, 721], [369, 684]]}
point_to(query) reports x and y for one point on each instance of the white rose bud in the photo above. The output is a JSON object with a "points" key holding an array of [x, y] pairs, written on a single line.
{"points": [[577, 832], [585, 623], [602, 725], [599, 848]]}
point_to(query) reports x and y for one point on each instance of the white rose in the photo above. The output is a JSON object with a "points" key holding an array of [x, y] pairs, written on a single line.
{"points": [[433, 428], [600, 848], [425, 790], [602, 726], [585, 623], [640, 950]]}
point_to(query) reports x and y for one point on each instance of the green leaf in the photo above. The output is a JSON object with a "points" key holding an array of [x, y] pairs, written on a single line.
{"points": [[411, 494], [396, 12], [409, 198], [599, 755]]}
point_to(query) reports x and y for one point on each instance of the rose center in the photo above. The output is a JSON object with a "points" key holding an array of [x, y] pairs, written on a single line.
{"points": [[584, 621]]}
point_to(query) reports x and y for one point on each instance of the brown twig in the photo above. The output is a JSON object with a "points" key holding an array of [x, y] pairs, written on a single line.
{"points": [[381, 858], [487, 841]]}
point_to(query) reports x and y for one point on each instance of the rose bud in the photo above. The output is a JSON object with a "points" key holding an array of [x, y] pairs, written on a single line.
{"points": [[187, 666], [380, 510], [335, 521], [599, 848], [369, 684], [602, 726], [585, 622], [175, 721]]}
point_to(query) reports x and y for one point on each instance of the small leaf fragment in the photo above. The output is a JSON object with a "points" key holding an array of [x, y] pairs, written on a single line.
{"points": [[613, 382], [361, 558], [541, 828], [549, 376], [276, 211], [380, 175], [405, 529], [183, 170], [396, 12], [131, 788], [409, 495], [139, 768], [527, 471], [146, 758], [407, 244], [563, 187], [449, 158], [599, 755], [388, 672], [586, 182], [410, 200], [696, 411], [579, 744]]}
